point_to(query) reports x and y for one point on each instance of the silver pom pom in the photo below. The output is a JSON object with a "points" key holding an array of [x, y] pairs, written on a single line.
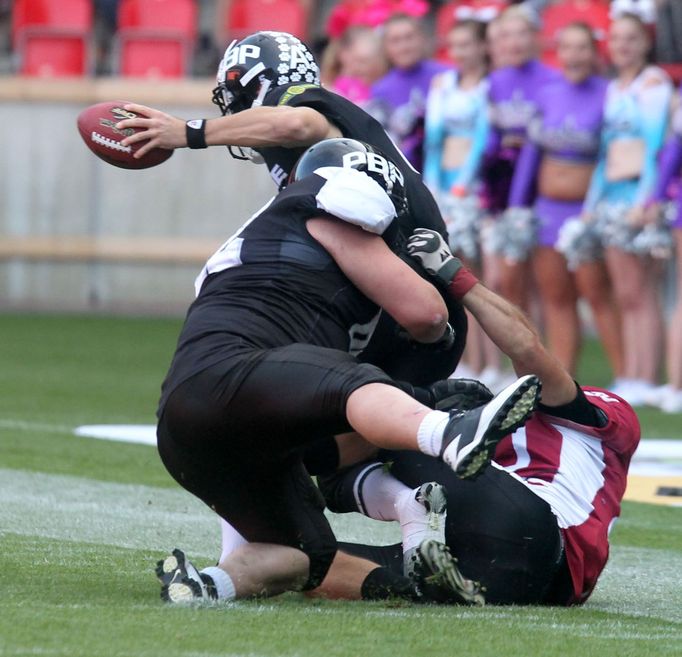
{"points": [[463, 220], [517, 233], [579, 241], [654, 240]]}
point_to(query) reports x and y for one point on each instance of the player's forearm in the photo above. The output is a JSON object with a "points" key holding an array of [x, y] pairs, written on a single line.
{"points": [[262, 127], [516, 337]]}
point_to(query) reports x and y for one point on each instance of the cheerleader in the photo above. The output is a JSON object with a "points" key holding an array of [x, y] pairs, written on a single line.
{"points": [[669, 397], [635, 121], [557, 160]]}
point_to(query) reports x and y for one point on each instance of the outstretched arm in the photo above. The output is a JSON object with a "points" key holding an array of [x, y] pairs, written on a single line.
{"points": [[503, 322], [258, 127]]}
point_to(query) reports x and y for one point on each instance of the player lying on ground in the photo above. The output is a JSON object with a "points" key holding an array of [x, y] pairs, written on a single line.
{"points": [[262, 370], [534, 526]]}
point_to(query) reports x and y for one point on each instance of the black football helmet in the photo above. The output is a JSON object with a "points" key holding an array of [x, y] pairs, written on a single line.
{"points": [[354, 154], [258, 63]]}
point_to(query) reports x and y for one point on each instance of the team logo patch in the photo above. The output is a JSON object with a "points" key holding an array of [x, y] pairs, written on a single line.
{"points": [[294, 90]]}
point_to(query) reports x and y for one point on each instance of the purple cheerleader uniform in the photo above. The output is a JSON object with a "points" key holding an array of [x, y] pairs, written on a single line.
{"points": [[513, 103], [669, 168], [398, 102], [567, 126]]}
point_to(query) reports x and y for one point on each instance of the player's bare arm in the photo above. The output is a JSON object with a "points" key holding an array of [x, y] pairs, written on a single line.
{"points": [[257, 127], [504, 323], [385, 279]]}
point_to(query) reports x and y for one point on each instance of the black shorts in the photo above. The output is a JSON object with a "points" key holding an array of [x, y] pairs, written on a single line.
{"points": [[236, 444], [502, 534]]}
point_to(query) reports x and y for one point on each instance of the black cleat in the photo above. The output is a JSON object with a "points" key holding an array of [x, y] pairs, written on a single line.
{"points": [[458, 394], [181, 582], [439, 579], [470, 437]]}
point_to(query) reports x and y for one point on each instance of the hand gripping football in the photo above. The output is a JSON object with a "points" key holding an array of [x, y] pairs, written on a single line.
{"points": [[97, 127]]}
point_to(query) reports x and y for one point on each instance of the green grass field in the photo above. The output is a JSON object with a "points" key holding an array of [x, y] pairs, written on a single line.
{"points": [[83, 521]]}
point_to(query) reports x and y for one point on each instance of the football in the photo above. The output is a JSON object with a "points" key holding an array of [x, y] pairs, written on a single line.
{"points": [[97, 126]]}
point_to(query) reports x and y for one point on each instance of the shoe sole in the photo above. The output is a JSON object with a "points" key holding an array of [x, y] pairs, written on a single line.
{"points": [[432, 496], [445, 573], [508, 411], [176, 585]]}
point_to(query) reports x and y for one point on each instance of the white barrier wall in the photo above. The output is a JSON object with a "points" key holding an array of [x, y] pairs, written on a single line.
{"points": [[52, 185]]}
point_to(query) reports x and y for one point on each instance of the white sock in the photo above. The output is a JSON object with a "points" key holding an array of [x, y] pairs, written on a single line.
{"points": [[414, 521], [232, 539], [376, 491], [430, 432], [224, 585]]}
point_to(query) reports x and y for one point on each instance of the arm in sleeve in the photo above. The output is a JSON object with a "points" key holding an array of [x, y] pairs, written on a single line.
{"points": [[433, 137], [670, 163], [472, 165], [655, 104], [525, 172]]}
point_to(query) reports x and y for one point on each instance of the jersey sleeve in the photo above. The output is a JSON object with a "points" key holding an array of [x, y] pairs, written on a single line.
{"points": [[434, 132], [669, 166], [622, 431], [655, 107], [479, 141], [597, 185], [522, 186]]}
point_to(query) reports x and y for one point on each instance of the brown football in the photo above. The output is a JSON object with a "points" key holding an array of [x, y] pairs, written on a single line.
{"points": [[97, 127]]}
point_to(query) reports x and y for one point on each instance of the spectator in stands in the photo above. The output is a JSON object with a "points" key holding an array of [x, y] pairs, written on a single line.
{"points": [[557, 161], [635, 122], [669, 397], [361, 63], [398, 99], [370, 13], [513, 102], [456, 133]]}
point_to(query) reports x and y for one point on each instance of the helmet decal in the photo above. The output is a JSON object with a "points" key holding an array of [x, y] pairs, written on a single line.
{"points": [[258, 63]]}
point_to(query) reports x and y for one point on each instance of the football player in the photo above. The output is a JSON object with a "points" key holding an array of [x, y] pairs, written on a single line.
{"points": [[273, 108], [262, 369], [534, 526]]}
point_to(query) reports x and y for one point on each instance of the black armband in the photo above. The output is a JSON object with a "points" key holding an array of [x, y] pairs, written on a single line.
{"points": [[195, 131], [579, 410]]}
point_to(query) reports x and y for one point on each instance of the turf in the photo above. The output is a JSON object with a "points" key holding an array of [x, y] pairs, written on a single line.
{"points": [[82, 522]]}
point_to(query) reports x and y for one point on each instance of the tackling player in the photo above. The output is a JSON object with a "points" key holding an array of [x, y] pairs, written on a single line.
{"points": [[262, 370]]}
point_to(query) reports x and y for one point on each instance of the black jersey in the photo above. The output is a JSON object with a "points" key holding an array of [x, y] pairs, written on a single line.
{"points": [[354, 123], [272, 284]]}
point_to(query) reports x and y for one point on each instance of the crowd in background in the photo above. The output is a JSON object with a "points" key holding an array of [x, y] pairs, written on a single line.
{"points": [[554, 154], [556, 182]]}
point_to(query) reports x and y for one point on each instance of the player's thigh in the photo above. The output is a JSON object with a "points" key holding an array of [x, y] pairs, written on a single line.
{"points": [[297, 394], [503, 534]]}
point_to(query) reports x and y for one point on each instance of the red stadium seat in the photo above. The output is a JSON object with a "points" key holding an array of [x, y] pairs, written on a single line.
{"points": [[156, 37], [244, 17], [555, 17], [52, 37]]}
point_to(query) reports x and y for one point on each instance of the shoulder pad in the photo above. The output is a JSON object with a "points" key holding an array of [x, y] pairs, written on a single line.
{"points": [[354, 197]]}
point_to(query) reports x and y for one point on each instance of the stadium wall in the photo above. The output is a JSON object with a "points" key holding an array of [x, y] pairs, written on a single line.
{"points": [[79, 234]]}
